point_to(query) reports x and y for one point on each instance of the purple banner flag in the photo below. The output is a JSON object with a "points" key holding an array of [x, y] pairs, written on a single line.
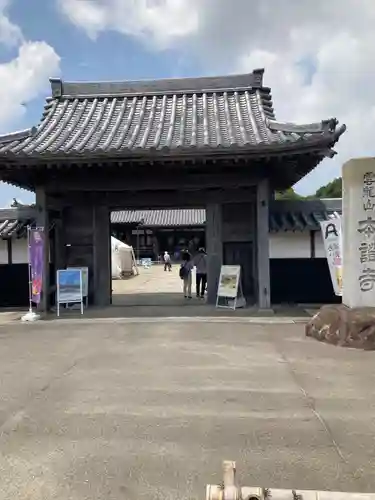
{"points": [[36, 251]]}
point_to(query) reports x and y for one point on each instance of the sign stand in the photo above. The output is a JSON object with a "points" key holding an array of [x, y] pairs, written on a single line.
{"points": [[69, 287], [230, 294], [146, 263], [135, 263]]}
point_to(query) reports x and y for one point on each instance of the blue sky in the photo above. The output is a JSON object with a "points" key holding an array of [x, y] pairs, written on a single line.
{"points": [[111, 56], [192, 41]]}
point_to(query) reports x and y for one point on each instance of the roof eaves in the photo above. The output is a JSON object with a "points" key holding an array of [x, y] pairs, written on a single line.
{"points": [[18, 136], [10, 228], [17, 213], [308, 144], [309, 128]]}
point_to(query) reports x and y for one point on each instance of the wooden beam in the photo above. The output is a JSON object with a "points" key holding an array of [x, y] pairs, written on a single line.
{"points": [[159, 199], [141, 181]]}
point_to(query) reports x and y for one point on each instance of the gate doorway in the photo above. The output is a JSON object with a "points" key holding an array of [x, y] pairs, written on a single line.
{"points": [[149, 234]]}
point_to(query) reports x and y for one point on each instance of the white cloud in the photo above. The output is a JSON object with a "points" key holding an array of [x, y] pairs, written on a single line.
{"points": [[334, 40], [24, 77], [157, 22], [10, 34]]}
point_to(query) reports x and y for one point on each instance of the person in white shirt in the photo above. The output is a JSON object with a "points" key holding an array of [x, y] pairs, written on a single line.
{"points": [[185, 274], [167, 261], [200, 262]]}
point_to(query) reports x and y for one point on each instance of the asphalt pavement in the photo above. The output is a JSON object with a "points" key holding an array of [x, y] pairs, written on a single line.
{"points": [[132, 410]]}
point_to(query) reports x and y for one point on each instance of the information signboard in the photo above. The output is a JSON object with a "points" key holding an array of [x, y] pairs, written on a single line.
{"points": [[85, 282], [69, 287], [230, 288]]}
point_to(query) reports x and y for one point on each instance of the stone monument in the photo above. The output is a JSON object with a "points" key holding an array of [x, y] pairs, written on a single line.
{"points": [[358, 176], [352, 323]]}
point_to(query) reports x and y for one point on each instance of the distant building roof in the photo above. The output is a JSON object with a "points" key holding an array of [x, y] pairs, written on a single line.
{"points": [[165, 117], [301, 215], [14, 221], [284, 215], [161, 218]]}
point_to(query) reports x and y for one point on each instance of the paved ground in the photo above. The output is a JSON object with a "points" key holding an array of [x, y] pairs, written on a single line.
{"points": [[149, 410], [8, 315], [154, 289], [152, 286]]}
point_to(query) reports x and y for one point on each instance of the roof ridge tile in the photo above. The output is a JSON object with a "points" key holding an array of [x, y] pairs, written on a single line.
{"points": [[189, 85]]}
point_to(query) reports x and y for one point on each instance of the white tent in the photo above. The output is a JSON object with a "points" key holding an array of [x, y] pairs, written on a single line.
{"points": [[122, 259]]}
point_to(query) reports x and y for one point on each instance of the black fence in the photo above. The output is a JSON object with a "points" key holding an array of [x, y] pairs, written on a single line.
{"points": [[292, 281], [14, 284], [304, 281]]}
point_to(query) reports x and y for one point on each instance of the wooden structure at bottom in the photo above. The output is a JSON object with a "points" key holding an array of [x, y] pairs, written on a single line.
{"points": [[229, 490]]}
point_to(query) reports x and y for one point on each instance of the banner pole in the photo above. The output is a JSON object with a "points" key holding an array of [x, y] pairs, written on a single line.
{"points": [[30, 315], [30, 276]]}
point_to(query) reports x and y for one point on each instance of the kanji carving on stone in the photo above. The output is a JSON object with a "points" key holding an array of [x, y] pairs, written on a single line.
{"points": [[367, 279], [367, 226], [369, 178], [367, 252]]}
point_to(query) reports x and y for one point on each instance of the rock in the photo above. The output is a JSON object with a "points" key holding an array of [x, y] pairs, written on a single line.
{"points": [[339, 325]]}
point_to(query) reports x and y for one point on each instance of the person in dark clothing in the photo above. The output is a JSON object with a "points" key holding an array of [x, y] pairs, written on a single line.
{"points": [[185, 273], [200, 262]]}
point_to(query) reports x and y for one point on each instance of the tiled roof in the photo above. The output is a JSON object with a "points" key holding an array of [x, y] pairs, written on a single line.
{"points": [[14, 222], [13, 228], [161, 218], [166, 117], [284, 215], [304, 215]]}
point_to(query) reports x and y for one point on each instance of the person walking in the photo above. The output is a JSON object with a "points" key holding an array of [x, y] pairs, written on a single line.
{"points": [[185, 274], [200, 262], [167, 261]]}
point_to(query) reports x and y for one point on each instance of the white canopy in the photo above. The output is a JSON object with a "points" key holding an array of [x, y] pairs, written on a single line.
{"points": [[122, 258]]}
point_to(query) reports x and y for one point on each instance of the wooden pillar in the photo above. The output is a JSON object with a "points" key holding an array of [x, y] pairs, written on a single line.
{"points": [[214, 244], [101, 251], [59, 246], [42, 221], [263, 260], [312, 244], [10, 251]]}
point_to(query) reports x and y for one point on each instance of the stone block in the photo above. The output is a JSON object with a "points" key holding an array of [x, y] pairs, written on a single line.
{"points": [[340, 325]]}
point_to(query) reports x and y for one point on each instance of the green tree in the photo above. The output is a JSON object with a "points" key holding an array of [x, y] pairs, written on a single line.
{"points": [[288, 194], [331, 190]]}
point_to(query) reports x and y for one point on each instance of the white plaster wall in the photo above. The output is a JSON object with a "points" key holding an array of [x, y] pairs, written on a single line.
{"points": [[289, 245], [19, 251], [319, 245], [283, 245], [3, 252]]}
